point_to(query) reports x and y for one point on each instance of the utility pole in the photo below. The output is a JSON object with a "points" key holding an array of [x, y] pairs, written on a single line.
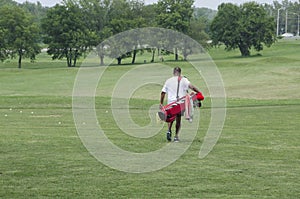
{"points": [[286, 20], [297, 23], [277, 30], [298, 26]]}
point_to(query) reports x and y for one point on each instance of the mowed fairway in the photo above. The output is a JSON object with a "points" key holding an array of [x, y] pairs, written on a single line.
{"points": [[257, 155]]}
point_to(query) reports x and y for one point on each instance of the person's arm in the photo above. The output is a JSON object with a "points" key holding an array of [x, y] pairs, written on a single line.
{"points": [[162, 97], [194, 88]]}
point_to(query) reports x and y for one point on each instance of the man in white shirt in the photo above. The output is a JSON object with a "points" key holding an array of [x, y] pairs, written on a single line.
{"points": [[175, 88]]}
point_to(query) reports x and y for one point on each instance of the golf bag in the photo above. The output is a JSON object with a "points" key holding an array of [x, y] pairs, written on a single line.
{"points": [[183, 106]]}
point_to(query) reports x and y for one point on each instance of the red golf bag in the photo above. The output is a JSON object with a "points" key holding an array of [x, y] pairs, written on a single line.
{"points": [[185, 105]]}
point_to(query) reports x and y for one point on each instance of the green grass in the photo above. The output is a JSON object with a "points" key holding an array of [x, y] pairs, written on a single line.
{"points": [[257, 155]]}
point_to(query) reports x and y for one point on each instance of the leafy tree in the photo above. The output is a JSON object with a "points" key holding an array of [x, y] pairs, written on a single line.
{"points": [[107, 18], [125, 15], [204, 16], [139, 21], [175, 15], [197, 31], [206, 13], [148, 14], [120, 20], [96, 19], [243, 27], [7, 2], [18, 34], [66, 33], [36, 9]]}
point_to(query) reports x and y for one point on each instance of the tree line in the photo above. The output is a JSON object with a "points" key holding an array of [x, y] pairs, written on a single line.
{"points": [[73, 28]]}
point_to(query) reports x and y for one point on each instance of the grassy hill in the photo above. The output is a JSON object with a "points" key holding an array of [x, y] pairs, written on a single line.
{"points": [[257, 155]]}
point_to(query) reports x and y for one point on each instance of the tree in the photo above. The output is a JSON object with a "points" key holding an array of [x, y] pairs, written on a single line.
{"points": [[148, 14], [96, 19], [175, 15], [243, 27], [197, 31], [18, 34], [36, 9], [206, 13], [125, 15], [66, 33], [7, 2]]}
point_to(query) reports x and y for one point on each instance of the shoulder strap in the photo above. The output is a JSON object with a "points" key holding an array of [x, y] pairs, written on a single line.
{"points": [[177, 95]]}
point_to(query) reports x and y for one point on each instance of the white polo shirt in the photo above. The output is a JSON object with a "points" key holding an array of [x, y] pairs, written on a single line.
{"points": [[170, 88]]}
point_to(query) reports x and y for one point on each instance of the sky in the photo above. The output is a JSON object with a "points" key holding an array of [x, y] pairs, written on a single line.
{"points": [[212, 4]]}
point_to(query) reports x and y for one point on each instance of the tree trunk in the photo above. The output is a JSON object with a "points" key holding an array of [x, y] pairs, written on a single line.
{"points": [[102, 60], [69, 58], [134, 56], [244, 50], [75, 61], [153, 55], [176, 54], [100, 50], [185, 54], [75, 58], [69, 61], [187, 50], [119, 60], [20, 59]]}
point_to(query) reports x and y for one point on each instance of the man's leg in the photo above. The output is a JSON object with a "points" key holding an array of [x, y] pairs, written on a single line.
{"points": [[169, 133], [178, 126], [170, 124]]}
